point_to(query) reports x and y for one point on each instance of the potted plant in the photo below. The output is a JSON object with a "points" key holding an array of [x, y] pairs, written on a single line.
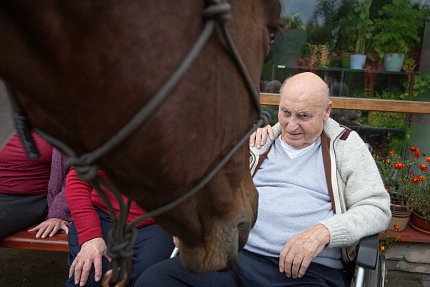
{"points": [[343, 33], [420, 200], [397, 31], [403, 179], [363, 30], [317, 51], [316, 55]]}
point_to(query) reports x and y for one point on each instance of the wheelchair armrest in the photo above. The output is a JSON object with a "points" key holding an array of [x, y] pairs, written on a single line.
{"points": [[175, 252], [368, 251]]}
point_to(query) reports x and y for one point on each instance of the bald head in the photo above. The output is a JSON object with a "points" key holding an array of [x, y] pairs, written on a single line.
{"points": [[306, 84], [303, 109]]}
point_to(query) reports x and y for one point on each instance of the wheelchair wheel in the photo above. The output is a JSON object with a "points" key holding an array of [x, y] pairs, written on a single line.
{"points": [[376, 278]]}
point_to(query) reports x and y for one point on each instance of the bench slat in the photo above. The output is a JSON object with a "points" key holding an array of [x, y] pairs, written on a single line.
{"points": [[27, 240]]}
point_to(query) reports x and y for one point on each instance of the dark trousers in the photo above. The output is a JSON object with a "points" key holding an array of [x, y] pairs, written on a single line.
{"points": [[252, 270], [18, 212], [152, 245]]}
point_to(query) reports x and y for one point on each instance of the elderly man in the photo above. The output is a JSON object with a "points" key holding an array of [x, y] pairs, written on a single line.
{"points": [[319, 193]]}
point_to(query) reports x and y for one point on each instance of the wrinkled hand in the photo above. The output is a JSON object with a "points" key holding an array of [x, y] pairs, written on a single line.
{"points": [[91, 253], [298, 252], [50, 227], [259, 137]]}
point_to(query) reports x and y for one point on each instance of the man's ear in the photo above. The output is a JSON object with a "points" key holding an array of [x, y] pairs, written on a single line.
{"points": [[328, 110]]}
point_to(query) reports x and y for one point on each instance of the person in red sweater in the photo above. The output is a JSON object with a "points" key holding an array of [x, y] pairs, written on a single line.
{"points": [[88, 235], [32, 190]]}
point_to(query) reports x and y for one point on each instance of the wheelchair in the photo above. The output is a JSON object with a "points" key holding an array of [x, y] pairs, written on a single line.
{"points": [[369, 266]]}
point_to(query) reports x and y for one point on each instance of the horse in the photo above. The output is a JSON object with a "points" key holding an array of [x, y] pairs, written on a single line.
{"points": [[82, 69]]}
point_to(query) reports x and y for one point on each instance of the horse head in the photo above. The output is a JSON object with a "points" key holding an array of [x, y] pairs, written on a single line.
{"points": [[83, 69]]}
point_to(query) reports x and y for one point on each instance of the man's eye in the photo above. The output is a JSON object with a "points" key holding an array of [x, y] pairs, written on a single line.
{"points": [[304, 116]]}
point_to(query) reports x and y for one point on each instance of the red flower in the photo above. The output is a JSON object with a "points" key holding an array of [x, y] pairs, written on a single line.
{"points": [[399, 165], [428, 159], [415, 180], [423, 167], [421, 178], [388, 160], [396, 227], [417, 154], [413, 149]]}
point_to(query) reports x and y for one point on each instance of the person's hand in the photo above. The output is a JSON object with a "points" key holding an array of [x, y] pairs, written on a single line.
{"points": [[298, 252], [92, 252], [50, 227], [259, 137]]}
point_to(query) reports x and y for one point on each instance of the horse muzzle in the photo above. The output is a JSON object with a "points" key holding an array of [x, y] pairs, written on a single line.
{"points": [[217, 252]]}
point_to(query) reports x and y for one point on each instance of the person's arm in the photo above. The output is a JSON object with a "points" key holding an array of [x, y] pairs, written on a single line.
{"points": [[57, 205], [366, 200], [90, 236], [58, 212]]}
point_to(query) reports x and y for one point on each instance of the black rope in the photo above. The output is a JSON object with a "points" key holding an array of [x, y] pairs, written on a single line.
{"points": [[22, 125]]}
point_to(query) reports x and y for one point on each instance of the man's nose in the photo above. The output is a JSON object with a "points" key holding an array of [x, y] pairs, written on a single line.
{"points": [[293, 123]]}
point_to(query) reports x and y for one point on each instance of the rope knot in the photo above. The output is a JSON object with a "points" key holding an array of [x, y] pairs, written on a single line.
{"points": [[120, 249], [217, 11], [121, 243]]}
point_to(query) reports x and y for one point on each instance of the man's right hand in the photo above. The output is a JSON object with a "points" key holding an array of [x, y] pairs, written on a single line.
{"points": [[298, 252], [91, 253], [259, 137]]}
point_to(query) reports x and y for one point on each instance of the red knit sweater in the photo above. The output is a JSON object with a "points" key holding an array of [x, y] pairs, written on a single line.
{"points": [[20, 175], [81, 198]]}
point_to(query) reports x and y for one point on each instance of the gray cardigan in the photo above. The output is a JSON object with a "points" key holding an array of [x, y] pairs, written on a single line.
{"points": [[361, 205]]}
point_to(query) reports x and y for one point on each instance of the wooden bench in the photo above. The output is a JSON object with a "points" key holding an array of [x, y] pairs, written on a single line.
{"points": [[27, 240]]}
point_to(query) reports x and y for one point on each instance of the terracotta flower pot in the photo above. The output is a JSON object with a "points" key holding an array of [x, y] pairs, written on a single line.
{"points": [[399, 217], [419, 223]]}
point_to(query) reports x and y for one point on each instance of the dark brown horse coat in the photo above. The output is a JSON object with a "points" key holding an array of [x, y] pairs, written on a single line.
{"points": [[82, 69]]}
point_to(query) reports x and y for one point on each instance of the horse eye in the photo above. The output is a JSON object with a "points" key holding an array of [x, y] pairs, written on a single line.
{"points": [[274, 31]]}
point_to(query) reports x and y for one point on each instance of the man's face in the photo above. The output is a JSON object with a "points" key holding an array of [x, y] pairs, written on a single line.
{"points": [[302, 114]]}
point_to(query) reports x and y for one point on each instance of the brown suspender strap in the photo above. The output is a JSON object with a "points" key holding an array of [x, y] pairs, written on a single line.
{"points": [[325, 147], [345, 134]]}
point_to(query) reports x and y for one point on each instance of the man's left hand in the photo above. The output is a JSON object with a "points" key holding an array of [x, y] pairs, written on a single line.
{"points": [[298, 252]]}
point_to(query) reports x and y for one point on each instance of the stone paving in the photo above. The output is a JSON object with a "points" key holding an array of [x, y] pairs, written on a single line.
{"points": [[408, 264]]}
